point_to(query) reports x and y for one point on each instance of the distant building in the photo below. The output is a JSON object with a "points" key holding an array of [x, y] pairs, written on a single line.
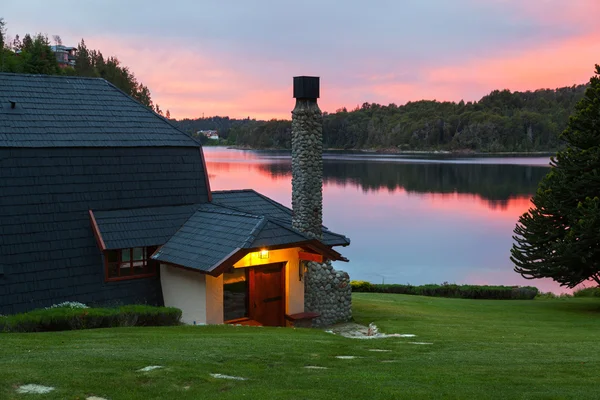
{"points": [[213, 135], [65, 55]]}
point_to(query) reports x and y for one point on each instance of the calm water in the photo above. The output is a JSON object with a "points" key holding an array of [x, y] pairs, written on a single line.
{"points": [[411, 220]]}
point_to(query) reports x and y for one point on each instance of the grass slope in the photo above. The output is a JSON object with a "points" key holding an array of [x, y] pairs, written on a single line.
{"points": [[540, 349]]}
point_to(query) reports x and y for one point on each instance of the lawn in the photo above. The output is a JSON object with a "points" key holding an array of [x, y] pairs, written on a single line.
{"points": [[539, 349]]}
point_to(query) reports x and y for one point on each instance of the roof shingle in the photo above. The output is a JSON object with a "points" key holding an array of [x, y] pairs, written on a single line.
{"points": [[67, 111]]}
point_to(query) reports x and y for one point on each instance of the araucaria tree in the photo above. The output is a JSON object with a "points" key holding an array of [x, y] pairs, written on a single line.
{"points": [[559, 237]]}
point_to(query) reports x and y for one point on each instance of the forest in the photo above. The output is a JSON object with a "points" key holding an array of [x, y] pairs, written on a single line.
{"points": [[502, 121]]}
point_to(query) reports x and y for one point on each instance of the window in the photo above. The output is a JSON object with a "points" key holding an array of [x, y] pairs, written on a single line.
{"points": [[235, 294], [129, 263]]}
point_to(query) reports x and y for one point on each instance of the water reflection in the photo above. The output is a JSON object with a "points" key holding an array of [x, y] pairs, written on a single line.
{"points": [[410, 220]]}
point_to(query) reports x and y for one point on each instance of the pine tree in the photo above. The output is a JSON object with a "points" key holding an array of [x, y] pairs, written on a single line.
{"points": [[559, 237]]}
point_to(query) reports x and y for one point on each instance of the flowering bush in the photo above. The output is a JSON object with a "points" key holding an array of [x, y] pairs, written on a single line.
{"points": [[68, 304]]}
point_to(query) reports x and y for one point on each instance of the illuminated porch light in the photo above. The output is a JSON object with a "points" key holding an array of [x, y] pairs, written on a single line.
{"points": [[263, 254]]}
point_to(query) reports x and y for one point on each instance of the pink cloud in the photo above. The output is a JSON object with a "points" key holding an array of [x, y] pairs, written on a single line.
{"points": [[191, 82]]}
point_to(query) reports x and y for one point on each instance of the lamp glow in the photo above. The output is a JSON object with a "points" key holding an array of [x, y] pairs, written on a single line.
{"points": [[263, 254]]}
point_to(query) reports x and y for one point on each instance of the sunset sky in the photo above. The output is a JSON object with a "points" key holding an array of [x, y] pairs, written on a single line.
{"points": [[238, 58]]}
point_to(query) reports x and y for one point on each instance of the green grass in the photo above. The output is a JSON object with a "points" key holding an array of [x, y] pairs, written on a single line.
{"points": [[539, 349]]}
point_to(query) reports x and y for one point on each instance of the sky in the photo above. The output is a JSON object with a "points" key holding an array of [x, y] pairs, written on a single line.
{"points": [[237, 58]]}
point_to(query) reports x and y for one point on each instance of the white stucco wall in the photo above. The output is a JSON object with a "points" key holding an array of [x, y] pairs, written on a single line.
{"points": [[200, 296], [294, 287], [214, 299], [186, 290]]}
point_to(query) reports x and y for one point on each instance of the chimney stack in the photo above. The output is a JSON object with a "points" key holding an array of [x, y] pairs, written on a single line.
{"points": [[307, 157]]}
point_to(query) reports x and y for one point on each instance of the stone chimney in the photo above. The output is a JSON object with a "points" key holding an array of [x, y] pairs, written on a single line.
{"points": [[307, 157], [326, 291]]}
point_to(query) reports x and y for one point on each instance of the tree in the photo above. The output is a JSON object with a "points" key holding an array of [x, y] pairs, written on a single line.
{"points": [[168, 114], [2, 33], [559, 237], [37, 57]]}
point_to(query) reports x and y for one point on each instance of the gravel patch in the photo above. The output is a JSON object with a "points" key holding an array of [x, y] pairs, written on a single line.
{"points": [[34, 389], [149, 368], [356, 331], [234, 378]]}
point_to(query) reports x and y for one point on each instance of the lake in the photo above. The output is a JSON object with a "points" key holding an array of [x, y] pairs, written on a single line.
{"points": [[411, 219]]}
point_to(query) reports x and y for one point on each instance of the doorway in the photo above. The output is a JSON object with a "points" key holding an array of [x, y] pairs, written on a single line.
{"points": [[255, 295], [267, 294]]}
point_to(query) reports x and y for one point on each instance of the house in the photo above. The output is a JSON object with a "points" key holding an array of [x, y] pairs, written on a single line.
{"points": [[65, 55], [210, 134], [105, 202]]}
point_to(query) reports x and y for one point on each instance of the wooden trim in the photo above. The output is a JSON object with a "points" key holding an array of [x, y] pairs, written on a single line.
{"points": [[302, 255], [237, 320], [96, 231], [205, 174], [228, 261], [236, 255], [125, 278]]}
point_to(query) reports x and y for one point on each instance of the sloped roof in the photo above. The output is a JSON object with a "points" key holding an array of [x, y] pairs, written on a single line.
{"points": [[67, 111], [199, 236], [215, 235], [208, 238], [141, 227], [252, 202]]}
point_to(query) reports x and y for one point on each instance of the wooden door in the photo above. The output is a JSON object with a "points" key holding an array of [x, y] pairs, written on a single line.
{"points": [[267, 294]]}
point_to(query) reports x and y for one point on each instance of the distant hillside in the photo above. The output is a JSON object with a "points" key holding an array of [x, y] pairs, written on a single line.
{"points": [[500, 121]]}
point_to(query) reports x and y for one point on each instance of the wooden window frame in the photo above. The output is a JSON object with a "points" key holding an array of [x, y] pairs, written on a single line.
{"points": [[147, 262]]}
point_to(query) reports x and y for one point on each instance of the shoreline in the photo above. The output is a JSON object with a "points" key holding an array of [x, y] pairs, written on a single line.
{"points": [[408, 152]]}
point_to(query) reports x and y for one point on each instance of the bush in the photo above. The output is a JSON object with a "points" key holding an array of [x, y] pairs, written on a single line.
{"points": [[67, 318], [362, 286], [587, 292], [451, 290], [550, 295]]}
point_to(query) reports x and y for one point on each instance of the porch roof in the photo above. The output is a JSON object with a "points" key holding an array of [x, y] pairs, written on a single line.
{"points": [[252, 202], [204, 237], [216, 237]]}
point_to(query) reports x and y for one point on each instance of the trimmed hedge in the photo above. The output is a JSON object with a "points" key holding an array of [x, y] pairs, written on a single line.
{"points": [[587, 292], [451, 290], [68, 318]]}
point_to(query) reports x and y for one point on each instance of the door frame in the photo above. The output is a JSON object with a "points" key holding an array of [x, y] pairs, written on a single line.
{"points": [[252, 288]]}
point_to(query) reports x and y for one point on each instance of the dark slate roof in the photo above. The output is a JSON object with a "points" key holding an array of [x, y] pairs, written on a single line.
{"points": [[208, 238], [213, 234], [252, 202], [142, 227], [67, 111]]}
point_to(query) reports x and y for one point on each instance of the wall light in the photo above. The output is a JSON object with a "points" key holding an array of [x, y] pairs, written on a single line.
{"points": [[263, 254]]}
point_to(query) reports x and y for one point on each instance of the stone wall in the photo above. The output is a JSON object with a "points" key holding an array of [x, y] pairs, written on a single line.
{"points": [[326, 291]]}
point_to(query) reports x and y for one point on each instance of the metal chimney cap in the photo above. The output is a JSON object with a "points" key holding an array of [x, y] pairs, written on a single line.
{"points": [[306, 87]]}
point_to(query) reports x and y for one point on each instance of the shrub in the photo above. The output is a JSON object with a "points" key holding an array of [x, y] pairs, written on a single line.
{"points": [[451, 290], [587, 292], [67, 318], [362, 286], [550, 295]]}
